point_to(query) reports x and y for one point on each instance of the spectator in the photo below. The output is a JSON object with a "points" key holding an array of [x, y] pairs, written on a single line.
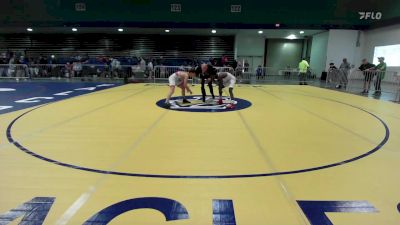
{"points": [[23, 70], [345, 70], [303, 68], [11, 63], [380, 75], [42, 60], [77, 68], [287, 72], [235, 64], [345, 67], [2, 65], [224, 60], [332, 66], [150, 69], [239, 71], [368, 74], [142, 64], [68, 69], [115, 67], [246, 66], [259, 72], [336, 75]]}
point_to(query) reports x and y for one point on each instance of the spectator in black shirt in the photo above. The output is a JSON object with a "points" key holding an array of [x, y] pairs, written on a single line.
{"points": [[368, 72], [234, 64]]}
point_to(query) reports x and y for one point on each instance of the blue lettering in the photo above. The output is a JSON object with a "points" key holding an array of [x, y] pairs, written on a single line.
{"points": [[223, 212], [34, 212], [315, 210], [171, 209]]}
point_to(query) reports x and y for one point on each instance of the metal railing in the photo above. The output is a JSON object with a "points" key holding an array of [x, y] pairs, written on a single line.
{"points": [[157, 74], [76, 70], [373, 80], [354, 81], [337, 78]]}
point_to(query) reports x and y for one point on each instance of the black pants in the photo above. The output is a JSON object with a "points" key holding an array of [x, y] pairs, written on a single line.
{"points": [[302, 78], [203, 90], [378, 83]]}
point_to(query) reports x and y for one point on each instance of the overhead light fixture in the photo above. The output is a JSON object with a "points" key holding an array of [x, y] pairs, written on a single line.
{"points": [[120, 29], [167, 31], [53, 56], [74, 29], [291, 37], [301, 32], [260, 31], [213, 31], [29, 29], [277, 25]]}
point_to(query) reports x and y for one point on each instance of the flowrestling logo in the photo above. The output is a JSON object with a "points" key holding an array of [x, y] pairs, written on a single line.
{"points": [[370, 15], [210, 105]]}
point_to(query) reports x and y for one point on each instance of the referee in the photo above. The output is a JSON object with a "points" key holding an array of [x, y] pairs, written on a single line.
{"points": [[207, 73]]}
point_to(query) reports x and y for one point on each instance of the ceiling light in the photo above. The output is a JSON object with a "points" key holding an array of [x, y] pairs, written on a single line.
{"points": [[292, 36], [120, 29], [260, 31], [213, 31], [29, 29], [167, 31], [74, 29], [302, 32]]}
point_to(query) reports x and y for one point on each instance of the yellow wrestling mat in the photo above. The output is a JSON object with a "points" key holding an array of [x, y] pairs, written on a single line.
{"points": [[298, 155]]}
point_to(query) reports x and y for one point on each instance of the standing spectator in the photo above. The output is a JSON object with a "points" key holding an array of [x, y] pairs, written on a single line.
{"points": [[22, 69], [224, 60], [77, 68], [332, 72], [2, 64], [33, 70], [303, 68], [345, 66], [11, 65], [332, 66], [345, 70], [142, 64], [246, 66], [259, 72], [239, 71], [68, 69], [368, 74], [380, 75], [335, 75], [287, 72], [235, 64], [150, 68], [42, 60], [115, 67], [43, 66]]}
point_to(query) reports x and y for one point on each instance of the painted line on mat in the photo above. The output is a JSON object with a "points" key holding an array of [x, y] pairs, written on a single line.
{"points": [[11, 139]]}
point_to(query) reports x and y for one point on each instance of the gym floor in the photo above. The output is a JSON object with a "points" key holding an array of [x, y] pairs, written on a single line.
{"points": [[294, 154]]}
